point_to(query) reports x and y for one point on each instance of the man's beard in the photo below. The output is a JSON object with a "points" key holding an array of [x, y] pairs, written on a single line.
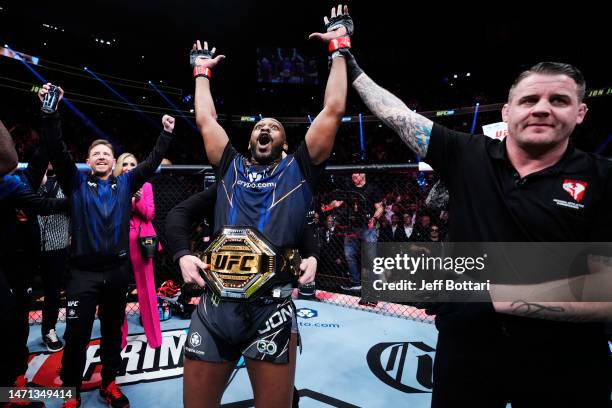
{"points": [[275, 153]]}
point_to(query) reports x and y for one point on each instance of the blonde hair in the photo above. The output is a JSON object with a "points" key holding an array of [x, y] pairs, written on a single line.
{"points": [[119, 164]]}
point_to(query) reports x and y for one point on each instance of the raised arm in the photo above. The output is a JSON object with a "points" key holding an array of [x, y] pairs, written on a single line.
{"points": [[8, 155], [59, 156], [214, 136], [146, 169], [322, 132], [37, 167], [413, 129]]}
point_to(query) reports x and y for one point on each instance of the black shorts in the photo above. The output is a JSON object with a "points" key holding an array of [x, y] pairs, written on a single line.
{"points": [[260, 330]]}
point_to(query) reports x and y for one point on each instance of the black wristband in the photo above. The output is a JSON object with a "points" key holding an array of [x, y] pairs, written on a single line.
{"points": [[353, 70]]}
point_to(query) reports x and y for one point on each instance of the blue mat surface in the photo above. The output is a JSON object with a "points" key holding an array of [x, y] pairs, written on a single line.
{"points": [[350, 358]]}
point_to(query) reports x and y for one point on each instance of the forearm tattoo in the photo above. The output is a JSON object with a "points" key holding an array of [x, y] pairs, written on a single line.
{"points": [[413, 129], [438, 196], [526, 309]]}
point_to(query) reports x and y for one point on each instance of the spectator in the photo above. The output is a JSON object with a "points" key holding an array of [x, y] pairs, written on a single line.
{"points": [[408, 224], [393, 232], [362, 207], [53, 260], [331, 248], [143, 212], [420, 233]]}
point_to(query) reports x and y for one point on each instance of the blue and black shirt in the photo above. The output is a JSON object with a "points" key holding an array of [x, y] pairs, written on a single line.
{"points": [[101, 209], [273, 198]]}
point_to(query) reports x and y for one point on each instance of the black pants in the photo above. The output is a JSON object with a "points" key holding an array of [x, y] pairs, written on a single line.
{"points": [[15, 283], [84, 291], [8, 343], [488, 369], [52, 266]]}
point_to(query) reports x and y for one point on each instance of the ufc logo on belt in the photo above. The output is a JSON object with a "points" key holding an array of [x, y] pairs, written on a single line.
{"points": [[237, 263]]}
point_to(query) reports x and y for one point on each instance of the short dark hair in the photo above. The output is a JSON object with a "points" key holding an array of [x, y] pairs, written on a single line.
{"points": [[554, 68], [98, 142]]}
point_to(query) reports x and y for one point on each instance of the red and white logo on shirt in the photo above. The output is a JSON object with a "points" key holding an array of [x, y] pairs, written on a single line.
{"points": [[575, 188]]}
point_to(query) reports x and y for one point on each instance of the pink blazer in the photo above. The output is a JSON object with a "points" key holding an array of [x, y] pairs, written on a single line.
{"points": [[143, 212]]}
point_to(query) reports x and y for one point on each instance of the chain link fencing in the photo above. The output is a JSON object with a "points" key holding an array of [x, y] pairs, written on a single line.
{"points": [[342, 213]]}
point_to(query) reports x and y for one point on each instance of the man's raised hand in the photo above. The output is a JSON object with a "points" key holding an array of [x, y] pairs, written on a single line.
{"points": [[45, 90], [202, 57], [340, 24], [168, 122]]}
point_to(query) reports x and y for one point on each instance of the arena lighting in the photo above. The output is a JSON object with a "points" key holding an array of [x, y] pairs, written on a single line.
{"points": [[123, 98], [361, 139], [6, 51], [88, 122], [176, 109], [476, 108]]}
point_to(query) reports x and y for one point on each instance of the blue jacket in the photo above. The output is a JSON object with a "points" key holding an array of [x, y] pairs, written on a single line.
{"points": [[101, 209]]}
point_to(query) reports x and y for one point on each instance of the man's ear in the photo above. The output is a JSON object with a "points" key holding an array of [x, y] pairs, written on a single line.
{"points": [[582, 111]]}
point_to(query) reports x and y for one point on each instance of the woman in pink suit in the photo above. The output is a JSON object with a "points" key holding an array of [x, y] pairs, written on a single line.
{"points": [[143, 211]]}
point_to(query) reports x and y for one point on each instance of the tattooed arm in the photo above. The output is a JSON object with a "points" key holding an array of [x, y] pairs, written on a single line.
{"points": [[561, 311], [411, 127], [578, 299], [438, 196]]}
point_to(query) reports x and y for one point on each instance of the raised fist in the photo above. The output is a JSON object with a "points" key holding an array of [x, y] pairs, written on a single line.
{"points": [[168, 122]]}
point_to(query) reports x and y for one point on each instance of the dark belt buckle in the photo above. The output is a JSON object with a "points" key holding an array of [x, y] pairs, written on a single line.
{"points": [[244, 264]]}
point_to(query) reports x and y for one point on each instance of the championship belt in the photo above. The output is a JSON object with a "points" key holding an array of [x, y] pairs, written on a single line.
{"points": [[244, 265]]}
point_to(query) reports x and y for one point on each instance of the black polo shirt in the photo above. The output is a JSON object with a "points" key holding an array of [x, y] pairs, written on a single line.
{"points": [[489, 202]]}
